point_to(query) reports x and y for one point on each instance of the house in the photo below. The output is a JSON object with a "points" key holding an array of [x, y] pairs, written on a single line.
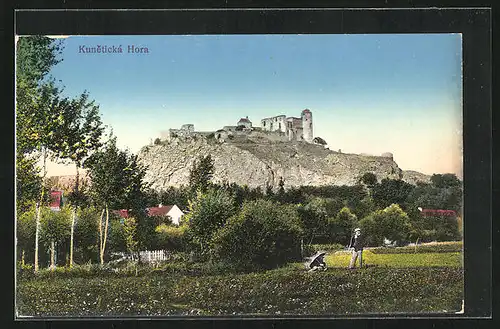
{"points": [[169, 210], [56, 197]]}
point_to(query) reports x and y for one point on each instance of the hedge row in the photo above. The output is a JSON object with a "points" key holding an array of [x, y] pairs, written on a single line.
{"points": [[277, 292], [427, 248]]}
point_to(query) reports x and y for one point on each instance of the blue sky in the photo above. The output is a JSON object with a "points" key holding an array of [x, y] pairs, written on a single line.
{"points": [[368, 93]]}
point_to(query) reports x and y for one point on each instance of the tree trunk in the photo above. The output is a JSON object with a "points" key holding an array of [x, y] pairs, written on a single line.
{"points": [[101, 252], [105, 234], [52, 255], [39, 206], [22, 258], [37, 229], [73, 219], [71, 241]]}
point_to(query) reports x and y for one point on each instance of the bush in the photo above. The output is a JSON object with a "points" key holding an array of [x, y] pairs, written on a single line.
{"points": [[263, 235], [25, 234], [171, 237], [341, 226], [391, 223], [207, 213], [86, 235]]}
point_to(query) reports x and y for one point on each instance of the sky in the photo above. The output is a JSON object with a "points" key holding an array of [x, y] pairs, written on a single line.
{"points": [[398, 93]]}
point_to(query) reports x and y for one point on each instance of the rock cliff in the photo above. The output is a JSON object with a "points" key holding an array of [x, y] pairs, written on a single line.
{"points": [[252, 163]]}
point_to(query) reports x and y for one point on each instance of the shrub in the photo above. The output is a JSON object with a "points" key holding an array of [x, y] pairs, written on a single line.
{"points": [[341, 226], [86, 234], [207, 213], [263, 235], [391, 223], [25, 233], [171, 237]]}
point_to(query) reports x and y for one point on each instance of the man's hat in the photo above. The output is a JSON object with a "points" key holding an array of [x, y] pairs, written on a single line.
{"points": [[357, 229]]}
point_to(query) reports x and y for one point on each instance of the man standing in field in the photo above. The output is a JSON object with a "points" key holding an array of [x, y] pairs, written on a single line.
{"points": [[356, 244]]}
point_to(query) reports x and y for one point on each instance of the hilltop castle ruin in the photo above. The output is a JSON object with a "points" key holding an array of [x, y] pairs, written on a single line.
{"points": [[277, 128]]}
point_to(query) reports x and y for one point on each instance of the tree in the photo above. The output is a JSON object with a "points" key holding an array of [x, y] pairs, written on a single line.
{"points": [[130, 230], [265, 234], [391, 223], [369, 179], [342, 225], [314, 219], [201, 173], [35, 117], [391, 191], [117, 183], [445, 180], [25, 232], [207, 213], [86, 234], [77, 135], [55, 229]]}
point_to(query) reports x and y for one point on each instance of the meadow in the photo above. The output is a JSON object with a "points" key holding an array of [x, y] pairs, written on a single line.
{"points": [[392, 283]]}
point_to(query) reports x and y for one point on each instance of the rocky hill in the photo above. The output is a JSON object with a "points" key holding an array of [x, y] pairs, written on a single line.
{"points": [[257, 163]]}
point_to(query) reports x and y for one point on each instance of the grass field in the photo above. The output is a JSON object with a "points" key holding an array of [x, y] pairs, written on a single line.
{"points": [[395, 283], [452, 259]]}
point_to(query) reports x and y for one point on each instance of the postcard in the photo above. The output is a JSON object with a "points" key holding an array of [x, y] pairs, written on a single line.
{"points": [[247, 175]]}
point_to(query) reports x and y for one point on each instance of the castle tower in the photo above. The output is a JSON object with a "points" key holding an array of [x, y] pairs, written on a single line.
{"points": [[307, 125]]}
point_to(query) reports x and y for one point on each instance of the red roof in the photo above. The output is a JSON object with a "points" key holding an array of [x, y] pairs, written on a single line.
{"points": [[158, 211], [55, 199], [438, 212], [152, 211]]}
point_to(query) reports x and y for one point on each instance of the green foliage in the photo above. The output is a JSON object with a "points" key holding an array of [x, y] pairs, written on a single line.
{"points": [[130, 230], [117, 241], [201, 173], [25, 230], [207, 213], [28, 182], [279, 292], [391, 223], [391, 191], [263, 235], [445, 180], [55, 225], [174, 195], [86, 234], [36, 55], [314, 220], [341, 226], [369, 179], [117, 178], [430, 228], [171, 237]]}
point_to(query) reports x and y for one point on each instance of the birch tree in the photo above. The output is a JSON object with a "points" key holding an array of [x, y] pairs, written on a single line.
{"points": [[78, 134], [35, 56], [116, 184]]}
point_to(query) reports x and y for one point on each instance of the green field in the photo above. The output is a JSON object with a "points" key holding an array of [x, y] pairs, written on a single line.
{"points": [[392, 283], [452, 259]]}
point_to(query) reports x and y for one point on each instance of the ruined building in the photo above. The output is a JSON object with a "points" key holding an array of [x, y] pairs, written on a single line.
{"points": [[299, 129], [286, 128]]}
